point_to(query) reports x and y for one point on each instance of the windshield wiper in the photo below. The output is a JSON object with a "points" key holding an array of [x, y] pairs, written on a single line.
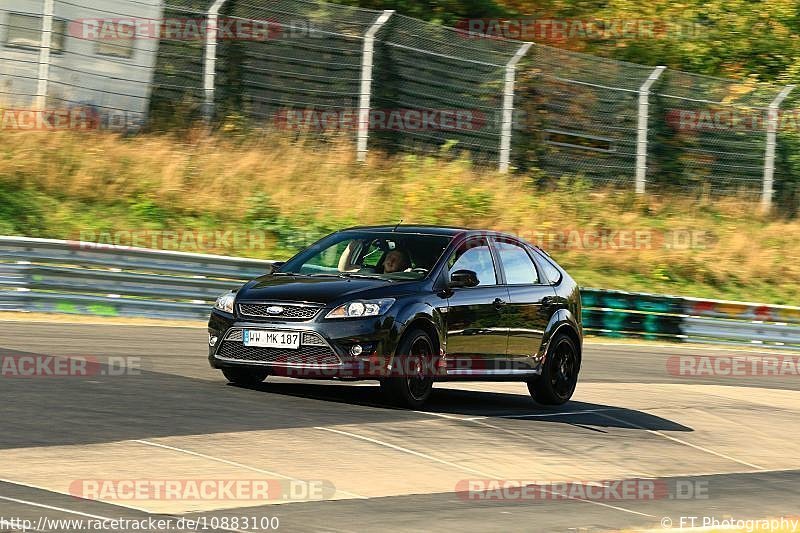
{"points": [[363, 276]]}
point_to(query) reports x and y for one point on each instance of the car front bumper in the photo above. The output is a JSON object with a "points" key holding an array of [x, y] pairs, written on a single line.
{"points": [[325, 352]]}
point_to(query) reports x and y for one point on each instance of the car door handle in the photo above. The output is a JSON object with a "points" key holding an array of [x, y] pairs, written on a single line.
{"points": [[499, 303]]}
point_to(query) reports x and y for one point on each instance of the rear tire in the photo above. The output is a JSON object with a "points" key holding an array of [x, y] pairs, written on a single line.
{"points": [[411, 391], [245, 376], [560, 372]]}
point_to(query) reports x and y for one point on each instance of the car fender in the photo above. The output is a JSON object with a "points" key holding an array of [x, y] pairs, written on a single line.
{"points": [[416, 311], [563, 318]]}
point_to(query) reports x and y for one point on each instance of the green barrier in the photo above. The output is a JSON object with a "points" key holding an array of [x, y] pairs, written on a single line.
{"points": [[592, 298], [624, 322]]}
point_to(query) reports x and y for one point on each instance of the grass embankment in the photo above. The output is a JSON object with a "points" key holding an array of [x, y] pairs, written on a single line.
{"points": [[63, 185]]}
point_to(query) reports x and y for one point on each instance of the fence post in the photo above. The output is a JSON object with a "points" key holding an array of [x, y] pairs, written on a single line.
{"points": [[210, 60], [366, 84], [641, 128], [769, 155], [508, 107], [44, 54]]}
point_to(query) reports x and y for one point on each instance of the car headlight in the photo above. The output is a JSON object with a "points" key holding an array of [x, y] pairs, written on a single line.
{"points": [[225, 302], [361, 308]]}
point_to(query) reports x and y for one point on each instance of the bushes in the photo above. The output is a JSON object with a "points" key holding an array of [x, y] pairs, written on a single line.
{"points": [[59, 185]]}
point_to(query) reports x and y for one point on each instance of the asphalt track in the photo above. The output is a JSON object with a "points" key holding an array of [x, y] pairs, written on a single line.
{"points": [[716, 446]]}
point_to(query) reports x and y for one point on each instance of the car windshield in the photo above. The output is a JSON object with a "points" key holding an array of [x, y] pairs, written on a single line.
{"points": [[391, 256]]}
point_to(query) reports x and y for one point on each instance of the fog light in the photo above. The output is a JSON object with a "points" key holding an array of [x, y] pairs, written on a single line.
{"points": [[212, 340], [356, 350]]}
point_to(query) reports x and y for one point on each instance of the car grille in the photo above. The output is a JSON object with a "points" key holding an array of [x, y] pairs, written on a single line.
{"points": [[313, 351], [290, 311]]}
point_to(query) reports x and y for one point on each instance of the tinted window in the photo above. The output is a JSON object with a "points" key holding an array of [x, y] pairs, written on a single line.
{"points": [[551, 273], [366, 253], [517, 264], [474, 255]]}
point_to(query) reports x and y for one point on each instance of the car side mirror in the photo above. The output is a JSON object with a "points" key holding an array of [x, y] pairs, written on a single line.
{"points": [[274, 266], [464, 278]]}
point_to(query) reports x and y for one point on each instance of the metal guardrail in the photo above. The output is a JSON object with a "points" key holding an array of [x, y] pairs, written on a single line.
{"points": [[651, 316], [46, 275]]}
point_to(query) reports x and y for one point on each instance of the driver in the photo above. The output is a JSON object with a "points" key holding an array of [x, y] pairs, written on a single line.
{"points": [[396, 261]]}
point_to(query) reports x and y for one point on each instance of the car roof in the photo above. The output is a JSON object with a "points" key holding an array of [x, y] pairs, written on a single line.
{"points": [[450, 231], [412, 228]]}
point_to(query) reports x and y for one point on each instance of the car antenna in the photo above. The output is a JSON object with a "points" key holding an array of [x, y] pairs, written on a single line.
{"points": [[395, 226]]}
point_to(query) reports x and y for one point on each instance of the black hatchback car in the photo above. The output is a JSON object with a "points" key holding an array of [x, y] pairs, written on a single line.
{"points": [[407, 305]]}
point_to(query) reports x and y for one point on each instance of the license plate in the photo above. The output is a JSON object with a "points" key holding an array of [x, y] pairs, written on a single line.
{"points": [[261, 338]]}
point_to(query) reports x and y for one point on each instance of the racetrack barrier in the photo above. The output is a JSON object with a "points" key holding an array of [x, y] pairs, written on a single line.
{"points": [[55, 276]]}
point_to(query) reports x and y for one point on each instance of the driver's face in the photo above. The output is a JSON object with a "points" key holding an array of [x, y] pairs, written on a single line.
{"points": [[394, 262]]}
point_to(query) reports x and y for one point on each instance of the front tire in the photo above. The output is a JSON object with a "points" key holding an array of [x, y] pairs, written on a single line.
{"points": [[414, 386], [560, 373], [245, 376]]}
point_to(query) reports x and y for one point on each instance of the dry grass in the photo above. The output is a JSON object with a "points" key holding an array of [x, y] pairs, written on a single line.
{"points": [[100, 181]]}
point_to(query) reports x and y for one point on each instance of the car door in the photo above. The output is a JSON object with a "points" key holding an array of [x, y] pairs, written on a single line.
{"points": [[476, 339], [530, 305]]}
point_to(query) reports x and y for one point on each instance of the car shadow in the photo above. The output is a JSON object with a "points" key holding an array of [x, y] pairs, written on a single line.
{"points": [[103, 406], [470, 403]]}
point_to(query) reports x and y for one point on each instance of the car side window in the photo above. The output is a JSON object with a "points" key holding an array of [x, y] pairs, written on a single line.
{"points": [[552, 274], [474, 255], [517, 264]]}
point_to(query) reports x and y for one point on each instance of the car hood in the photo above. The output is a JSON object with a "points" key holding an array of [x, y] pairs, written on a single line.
{"points": [[322, 290]]}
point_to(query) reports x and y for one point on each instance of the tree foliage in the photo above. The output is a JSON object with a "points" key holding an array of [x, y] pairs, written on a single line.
{"points": [[734, 38]]}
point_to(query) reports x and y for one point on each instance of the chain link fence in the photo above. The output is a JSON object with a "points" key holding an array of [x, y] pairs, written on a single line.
{"points": [[582, 113], [390, 82], [711, 133]]}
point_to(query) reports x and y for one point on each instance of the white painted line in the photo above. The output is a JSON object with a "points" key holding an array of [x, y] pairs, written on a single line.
{"points": [[545, 415], [478, 420], [54, 508], [46, 489], [522, 415], [234, 463], [440, 415], [685, 443], [750, 430], [466, 468], [69, 511], [411, 452], [544, 442]]}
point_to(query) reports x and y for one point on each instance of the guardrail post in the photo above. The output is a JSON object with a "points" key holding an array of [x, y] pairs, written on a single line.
{"points": [[641, 128], [210, 60], [44, 54], [769, 155], [367, 58], [508, 107]]}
